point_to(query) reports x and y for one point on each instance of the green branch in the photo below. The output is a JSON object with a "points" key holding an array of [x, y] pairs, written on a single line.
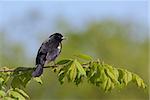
{"points": [[81, 67], [24, 68]]}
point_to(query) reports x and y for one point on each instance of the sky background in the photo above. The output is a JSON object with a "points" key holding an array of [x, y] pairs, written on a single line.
{"points": [[23, 19], [76, 11]]}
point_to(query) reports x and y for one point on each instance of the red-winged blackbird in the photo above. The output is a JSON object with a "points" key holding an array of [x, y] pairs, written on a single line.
{"points": [[48, 51]]}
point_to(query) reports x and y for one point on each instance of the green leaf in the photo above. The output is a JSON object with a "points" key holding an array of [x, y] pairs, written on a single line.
{"points": [[1, 80], [15, 95], [139, 81], [21, 77], [128, 77], [38, 79], [103, 75], [108, 85], [8, 98], [111, 74], [63, 72], [62, 62], [61, 77], [5, 75], [16, 82], [78, 79], [73, 72], [2, 94], [104, 84], [95, 74], [121, 77], [116, 73], [125, 77], [79, 67], [112, 86], [22, 93], [84, 57]]}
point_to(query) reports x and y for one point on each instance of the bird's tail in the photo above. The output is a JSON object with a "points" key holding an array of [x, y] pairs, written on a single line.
{"points": [[38, 71]]}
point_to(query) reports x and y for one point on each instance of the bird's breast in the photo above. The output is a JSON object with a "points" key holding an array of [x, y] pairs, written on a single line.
{"points": [[59, 47], [52, 54]]}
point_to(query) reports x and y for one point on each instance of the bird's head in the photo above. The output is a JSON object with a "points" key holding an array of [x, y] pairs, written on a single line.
{"points": [[57, 36]]}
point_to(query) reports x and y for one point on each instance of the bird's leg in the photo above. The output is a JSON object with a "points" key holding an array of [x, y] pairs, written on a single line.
{"points": [[54, 63]]}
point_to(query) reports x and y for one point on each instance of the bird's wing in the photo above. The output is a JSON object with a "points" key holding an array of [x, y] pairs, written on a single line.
{"points": [[42, 52], [53, 53]]}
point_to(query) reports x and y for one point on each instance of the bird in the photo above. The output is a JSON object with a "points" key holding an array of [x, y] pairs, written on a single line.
{"points": [[49, 51]]}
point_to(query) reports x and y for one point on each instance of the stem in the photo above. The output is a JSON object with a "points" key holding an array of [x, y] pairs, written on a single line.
{"points": [[10, 70], [27, 68], [31, 68]]}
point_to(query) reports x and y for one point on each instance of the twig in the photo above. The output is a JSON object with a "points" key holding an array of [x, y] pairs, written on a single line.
{"points": [[32, 68], [25, 68], [10, 70]]}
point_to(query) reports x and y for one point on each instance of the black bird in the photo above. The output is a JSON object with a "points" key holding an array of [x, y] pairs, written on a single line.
{"points": [[48, 51]]}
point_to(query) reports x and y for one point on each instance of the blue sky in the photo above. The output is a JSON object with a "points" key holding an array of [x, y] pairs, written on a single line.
{"points": [[14, 16], [81, 10]]}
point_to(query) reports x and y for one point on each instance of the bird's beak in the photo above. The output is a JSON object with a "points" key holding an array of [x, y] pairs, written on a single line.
{"points": [[63, 38]]}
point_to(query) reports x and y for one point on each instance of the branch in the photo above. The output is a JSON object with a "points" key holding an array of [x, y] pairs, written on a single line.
{"points": [[31, 68], [26, 68], [10, 70], [96, 72]]}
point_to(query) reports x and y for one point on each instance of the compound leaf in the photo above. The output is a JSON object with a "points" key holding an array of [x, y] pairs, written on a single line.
{"points": [[79, 67]]}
